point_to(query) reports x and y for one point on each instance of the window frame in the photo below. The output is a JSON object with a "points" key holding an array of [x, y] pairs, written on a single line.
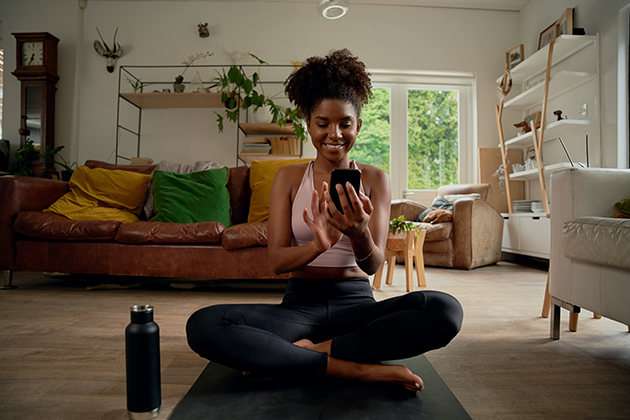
{"points": [[399, 82]]}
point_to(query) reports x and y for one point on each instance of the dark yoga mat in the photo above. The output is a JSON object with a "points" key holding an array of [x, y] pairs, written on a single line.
{"points": [[223, 393]]}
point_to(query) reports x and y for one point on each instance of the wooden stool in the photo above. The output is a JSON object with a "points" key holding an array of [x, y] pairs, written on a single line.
{"points": [[412, 248]]}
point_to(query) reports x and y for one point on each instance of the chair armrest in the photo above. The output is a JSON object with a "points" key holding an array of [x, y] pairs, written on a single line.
{"points": [[407, 208], [575, 193], [20, 193], [477, 233]]}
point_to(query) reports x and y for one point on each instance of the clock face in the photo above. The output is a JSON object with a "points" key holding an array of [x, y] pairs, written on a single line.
{"points": [[33, 54]]}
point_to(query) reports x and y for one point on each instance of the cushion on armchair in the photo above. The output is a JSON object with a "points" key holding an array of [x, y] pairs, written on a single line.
{"points": [[444, 202]]}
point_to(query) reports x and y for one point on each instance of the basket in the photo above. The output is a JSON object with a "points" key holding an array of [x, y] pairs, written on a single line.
{"points": [[396, 242]]}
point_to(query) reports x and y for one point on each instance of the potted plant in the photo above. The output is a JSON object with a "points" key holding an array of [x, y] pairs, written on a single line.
{"points": [[398, 229], [137, 85], [23, 161], [236, 86], [178, 86], [68, 168]]}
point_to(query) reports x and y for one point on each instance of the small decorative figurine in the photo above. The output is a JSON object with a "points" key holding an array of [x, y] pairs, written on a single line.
{"points": [[203, 30]]}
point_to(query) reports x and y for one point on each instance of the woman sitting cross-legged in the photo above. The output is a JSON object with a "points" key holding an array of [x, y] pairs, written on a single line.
{"points": [[328, 322]]}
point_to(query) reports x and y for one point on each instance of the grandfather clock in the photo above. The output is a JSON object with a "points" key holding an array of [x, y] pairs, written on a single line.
{"points": [[37, 72]]}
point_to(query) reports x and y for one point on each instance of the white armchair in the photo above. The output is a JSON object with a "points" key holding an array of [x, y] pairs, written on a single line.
{"points": [[589, 265]]}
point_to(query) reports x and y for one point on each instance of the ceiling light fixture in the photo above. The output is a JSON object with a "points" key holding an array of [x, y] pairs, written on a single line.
{"points": [[333, 9]]}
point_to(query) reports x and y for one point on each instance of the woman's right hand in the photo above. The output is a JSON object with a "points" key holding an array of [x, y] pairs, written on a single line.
{"points": [[324, 233]]}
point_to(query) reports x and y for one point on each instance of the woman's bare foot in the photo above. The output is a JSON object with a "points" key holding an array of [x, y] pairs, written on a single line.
{"points": [[396, 374], [365, 372], [323, 347], [307, 344]]}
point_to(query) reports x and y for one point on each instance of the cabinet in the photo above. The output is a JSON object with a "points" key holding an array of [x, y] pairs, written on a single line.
{"points": [[566, 80], [526, 234], [162, 100]]}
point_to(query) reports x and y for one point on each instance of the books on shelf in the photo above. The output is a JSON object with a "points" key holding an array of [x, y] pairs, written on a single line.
{"points": [[285, 145], [256, 140], [261, 148]]}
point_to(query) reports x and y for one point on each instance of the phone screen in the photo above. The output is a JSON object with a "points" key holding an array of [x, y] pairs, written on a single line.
{"points": [[341, 176]]}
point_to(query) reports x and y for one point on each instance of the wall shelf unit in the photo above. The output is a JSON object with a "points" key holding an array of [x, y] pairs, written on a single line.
{"points": [[565, 46], [561, 76], [553, 131], [173, 100], [209, 100], [256, 129], [532, 174], [560, 83]]}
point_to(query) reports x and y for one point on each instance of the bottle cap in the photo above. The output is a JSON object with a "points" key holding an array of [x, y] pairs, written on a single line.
{"points": [[141, 308], [141, 314]]}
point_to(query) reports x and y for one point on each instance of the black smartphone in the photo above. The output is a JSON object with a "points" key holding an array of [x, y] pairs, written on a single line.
{"points": [[341, 176]]}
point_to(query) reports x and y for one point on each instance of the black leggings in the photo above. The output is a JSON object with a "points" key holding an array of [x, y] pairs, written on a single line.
{"points": [[259, 337]]}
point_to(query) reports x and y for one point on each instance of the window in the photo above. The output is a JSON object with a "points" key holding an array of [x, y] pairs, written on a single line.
{"points": [[420, 130]]}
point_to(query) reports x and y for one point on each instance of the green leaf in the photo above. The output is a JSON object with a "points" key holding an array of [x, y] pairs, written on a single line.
{"points": [[219, 122], [248, 86], [235, 76], [260, 61]]}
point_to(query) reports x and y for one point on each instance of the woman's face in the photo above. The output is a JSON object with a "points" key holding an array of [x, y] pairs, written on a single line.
{"points": [[333, 127]]}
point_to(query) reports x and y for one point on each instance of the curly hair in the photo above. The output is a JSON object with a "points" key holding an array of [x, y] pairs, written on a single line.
{"points": [[339, 75]]}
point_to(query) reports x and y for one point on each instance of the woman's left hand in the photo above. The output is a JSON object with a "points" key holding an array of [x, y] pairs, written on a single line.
{"points": [[354, 220]]}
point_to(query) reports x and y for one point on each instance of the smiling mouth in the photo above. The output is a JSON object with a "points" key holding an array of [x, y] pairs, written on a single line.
{"points": [[333, 146]]}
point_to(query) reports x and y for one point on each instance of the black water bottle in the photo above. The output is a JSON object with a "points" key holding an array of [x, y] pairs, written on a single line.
{"points": [[142, 349]]}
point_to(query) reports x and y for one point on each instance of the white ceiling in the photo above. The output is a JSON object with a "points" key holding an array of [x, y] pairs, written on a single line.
{"points": [[511, 5]]}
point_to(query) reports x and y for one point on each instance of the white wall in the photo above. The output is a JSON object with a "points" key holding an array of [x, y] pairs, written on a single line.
{"points": [[595, 16], [164, 32]]}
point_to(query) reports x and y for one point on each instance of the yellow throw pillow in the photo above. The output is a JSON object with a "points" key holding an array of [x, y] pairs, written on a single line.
{"points": [[261, 174], [103, 194]]}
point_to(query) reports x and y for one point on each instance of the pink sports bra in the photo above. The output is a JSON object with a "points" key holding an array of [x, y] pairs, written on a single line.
{"points": [[341, 254]]}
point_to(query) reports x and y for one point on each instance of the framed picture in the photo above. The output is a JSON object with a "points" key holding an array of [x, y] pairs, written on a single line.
{"points": [[536, 116], [547, 35], [514, 56], [564, 25]]}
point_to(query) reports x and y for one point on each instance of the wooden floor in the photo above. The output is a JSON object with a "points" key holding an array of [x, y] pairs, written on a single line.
{"points": [[62, 347]]}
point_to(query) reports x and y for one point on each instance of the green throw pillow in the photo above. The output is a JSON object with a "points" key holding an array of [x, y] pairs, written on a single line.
{"points": [[192, 197]]}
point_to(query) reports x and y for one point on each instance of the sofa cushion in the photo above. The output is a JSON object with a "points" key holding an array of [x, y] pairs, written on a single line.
{"points": [[245, 235], [50, 226], [261, 174], [141, 169], [191, 197], [178, 168], [437, 231], [238, 187], [102, 194], [597, 240], [170, 233]]}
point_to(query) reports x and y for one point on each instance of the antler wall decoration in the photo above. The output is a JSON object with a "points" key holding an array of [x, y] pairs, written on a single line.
{"points": [[111, 55]]}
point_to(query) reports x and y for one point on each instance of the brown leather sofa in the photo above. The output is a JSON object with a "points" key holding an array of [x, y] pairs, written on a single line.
{"points": [[472, 239], [31, 240]]}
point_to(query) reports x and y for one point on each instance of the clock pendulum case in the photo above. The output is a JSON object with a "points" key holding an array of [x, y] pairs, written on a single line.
{"points": [[37, 71]]}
